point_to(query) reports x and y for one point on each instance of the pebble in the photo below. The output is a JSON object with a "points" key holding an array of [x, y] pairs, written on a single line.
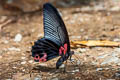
{"points": [[62, 66], [99, 69], [118, 64], [95, 63], [86, 37], [115, 8], [82, 49], [116, 40], [18, 38], [77, 70], [9, 1], [73, 73], [86, 9], [14, 49], [117, 49], [55, 79], [102, 56], [33, 30], [117, 74], [14, 67], [3, 18], [24, 62], [99, 7], [22, 57], [31, 61], [23, 70], [6, 42], [9, 79], [110, 60], [78, 62], [82, 30], [0, 57], [37, 78], [23, 54]]}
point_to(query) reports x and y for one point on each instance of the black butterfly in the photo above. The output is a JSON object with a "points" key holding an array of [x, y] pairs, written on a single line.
{"points": [[55, 41]]}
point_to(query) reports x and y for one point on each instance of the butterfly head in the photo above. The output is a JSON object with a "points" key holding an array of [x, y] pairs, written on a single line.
{"points": [[40, 57]]}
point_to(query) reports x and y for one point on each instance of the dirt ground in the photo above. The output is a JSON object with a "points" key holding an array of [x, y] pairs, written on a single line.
{"points": [[83, 23]]}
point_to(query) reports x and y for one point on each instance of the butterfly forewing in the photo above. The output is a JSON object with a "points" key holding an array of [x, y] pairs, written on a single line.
{"points": [[54, 27]]}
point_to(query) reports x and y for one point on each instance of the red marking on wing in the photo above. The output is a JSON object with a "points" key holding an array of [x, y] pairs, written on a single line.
{"points": [[42, 59], [63, 49]]}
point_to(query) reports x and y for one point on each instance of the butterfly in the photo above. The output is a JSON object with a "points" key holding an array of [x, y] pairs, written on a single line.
{"points": [[55, 41]]}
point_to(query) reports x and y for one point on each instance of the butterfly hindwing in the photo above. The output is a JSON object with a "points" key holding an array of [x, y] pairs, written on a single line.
{"points": [[45, 46]]}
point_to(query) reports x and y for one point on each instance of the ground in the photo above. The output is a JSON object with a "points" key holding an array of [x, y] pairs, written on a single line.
{"points": [[96, 63]]}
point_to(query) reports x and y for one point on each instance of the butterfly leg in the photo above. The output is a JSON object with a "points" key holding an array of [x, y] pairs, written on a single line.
{"points": [[71, 53], [65, 66]]}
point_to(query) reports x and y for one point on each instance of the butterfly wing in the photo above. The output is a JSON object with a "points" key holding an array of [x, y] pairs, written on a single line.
{"points": [[55, 30], [55, 38], [54, 27], [45, 46]]}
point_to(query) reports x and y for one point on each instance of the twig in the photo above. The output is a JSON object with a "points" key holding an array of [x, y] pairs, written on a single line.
{"points": [[5, 23]]}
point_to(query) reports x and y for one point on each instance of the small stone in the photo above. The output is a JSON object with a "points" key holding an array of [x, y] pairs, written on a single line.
{"points": [[73, 37], [78, 37], [31, 61], [78, 62], [81, 30], [102, 56], [98, 48], [18, 38], [9, 79], [118, 64], [55, 79], [86, 8], [99, 69], [22, 57], [23, 62], [23, 70], [117, 75], [0, 57], [116, 40], [14, 67], [73, 73], [23, 54], [37, 78], [62, 66], [77, 70], [6, 42], [115, 8], [82, 49], [117, 49], [86, 37], [9, 1], [110, 60], [14, 49]]}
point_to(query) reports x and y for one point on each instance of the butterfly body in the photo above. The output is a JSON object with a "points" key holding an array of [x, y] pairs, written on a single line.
{"points": [[55, 41]]}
